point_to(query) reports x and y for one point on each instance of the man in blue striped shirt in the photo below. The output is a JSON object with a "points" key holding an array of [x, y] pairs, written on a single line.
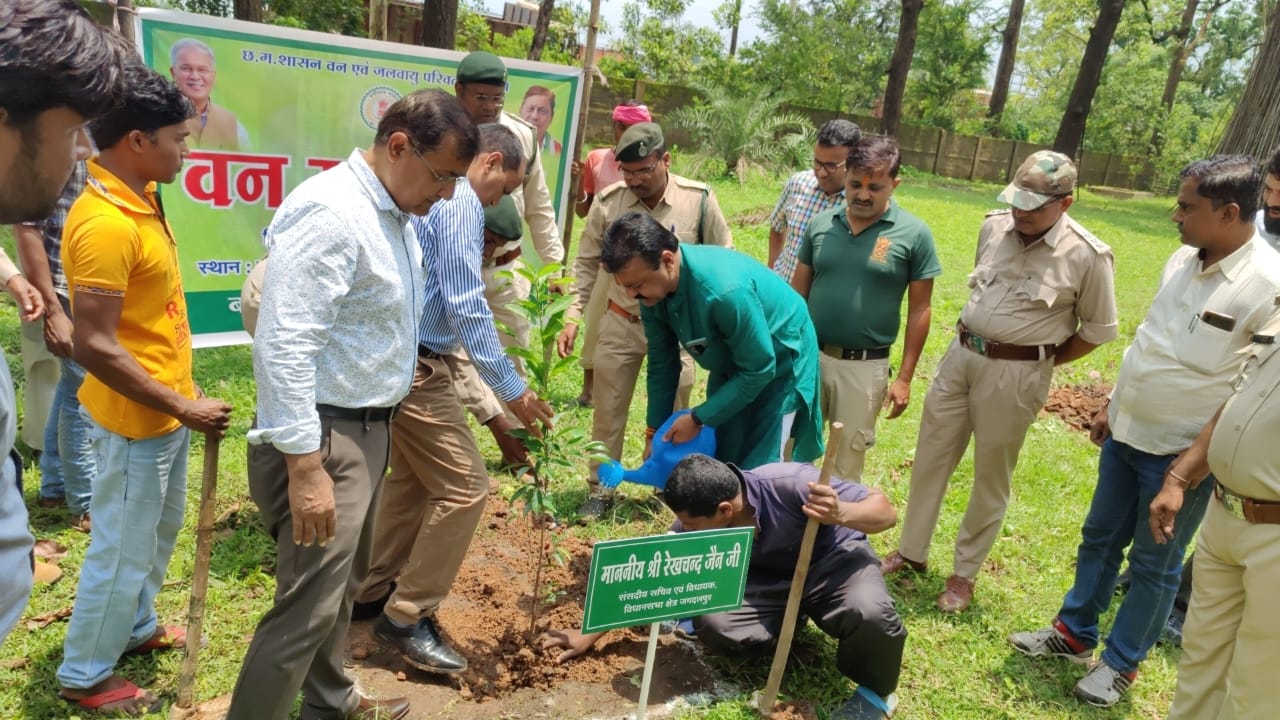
{"points": [[435, 495]]}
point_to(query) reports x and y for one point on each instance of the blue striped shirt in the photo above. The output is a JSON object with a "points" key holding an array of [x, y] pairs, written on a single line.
{"points": [[455, 313]]}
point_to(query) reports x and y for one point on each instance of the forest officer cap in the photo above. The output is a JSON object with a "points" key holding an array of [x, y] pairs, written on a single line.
{"points": [[482, 68], [503, 219], [1043, 176], [638, 142]]}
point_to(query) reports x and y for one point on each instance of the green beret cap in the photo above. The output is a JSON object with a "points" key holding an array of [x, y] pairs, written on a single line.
{"points": [[638, 142], [483, 68], [503, 219]]}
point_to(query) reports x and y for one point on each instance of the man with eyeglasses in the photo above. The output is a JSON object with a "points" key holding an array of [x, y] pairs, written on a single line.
{"points": [[883, 251], [1043, 294], [690, 210], [810, 193], [481, 87]]}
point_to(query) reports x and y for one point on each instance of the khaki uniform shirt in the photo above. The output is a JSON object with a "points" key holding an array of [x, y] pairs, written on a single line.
{"points": [[1242, 452], [533, 200], [1042, 293], [681, 206]]}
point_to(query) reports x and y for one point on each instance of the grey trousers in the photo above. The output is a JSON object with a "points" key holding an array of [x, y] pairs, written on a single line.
{"points": [[300, 642], [845, 596]]}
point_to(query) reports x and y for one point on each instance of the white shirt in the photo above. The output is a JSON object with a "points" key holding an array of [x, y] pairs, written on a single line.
{"points": [[1178, 370], [340, 305], [1259, 222]]}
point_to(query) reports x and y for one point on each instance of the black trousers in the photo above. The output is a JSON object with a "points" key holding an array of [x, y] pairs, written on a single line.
{"points": [[845, 595]]}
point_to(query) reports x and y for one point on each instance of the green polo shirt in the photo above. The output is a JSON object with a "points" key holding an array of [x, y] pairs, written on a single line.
{"points": [[855, 299]]}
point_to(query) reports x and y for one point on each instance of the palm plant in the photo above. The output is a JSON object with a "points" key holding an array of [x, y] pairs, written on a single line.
{"points": [[745, 132]]}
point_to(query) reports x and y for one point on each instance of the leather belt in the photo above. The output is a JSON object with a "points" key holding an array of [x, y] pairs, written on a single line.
{"points": [[840, 353], [1002, 351], [617, 309], [504, 258], [1260, 512], [427, 353], [366, 415]]}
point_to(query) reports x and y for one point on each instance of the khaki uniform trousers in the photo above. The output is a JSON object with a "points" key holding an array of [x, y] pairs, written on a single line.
{"points": [[995, 402], [853, 393], [431, 502], [500, 292], [301, 641], [1231, 641], [621, 350], [596, 307]]}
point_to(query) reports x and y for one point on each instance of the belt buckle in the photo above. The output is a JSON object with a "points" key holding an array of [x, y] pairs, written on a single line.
{"points": [[1232, 503], [978, 344]]}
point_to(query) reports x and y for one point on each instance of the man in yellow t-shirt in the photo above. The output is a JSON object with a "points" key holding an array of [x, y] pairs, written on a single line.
{"points": [[133, 337]]}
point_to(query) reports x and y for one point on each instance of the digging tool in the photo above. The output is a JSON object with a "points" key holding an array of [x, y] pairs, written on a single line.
{"points": [[765, 701], [185, 707]]}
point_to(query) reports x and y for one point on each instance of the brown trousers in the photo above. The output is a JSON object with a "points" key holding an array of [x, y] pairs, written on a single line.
{"points": [[301, 641], [432, 500]]}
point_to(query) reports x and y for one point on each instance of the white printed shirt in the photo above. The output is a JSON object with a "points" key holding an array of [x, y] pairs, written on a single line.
{"points": [[340, 305]]}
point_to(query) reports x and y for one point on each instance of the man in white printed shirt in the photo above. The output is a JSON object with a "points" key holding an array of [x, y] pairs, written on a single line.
{"points": [[1217, 292], [334, 353]]}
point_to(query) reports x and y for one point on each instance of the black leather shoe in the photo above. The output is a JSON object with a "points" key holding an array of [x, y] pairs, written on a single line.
{"points": [[369, 610], [421, 646]]}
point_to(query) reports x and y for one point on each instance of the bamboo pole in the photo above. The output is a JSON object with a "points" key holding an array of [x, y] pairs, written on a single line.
{"points": [[588, 78], [199, 577]]}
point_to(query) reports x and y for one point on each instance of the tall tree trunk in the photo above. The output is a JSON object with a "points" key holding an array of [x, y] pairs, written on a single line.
{"points": [[1254, 128], [1071, 129], [250, 10], [1178, 63], [377, 19], [540, 29], [899, 65], [440, 23], [733, 29], [1004, 69]]}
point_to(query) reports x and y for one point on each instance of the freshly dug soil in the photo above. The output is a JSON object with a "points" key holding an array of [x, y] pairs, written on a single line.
{"points": [[1077, 404], [486, 618]]}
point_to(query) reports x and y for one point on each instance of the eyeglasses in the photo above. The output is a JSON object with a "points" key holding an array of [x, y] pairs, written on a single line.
{"points": [[442, 179], [827, 167], [642, 172], [498, 100]]}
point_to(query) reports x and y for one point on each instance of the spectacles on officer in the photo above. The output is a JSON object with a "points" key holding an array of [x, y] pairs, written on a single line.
{"points": [[442, 179], [642, 172], [828, 168], [498, 100]]}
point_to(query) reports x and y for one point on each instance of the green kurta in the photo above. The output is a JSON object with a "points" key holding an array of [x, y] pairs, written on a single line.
{"points": [[753, 334]]}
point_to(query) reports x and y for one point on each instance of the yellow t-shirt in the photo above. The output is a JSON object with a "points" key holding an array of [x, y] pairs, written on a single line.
{"points": [[116, 243]]}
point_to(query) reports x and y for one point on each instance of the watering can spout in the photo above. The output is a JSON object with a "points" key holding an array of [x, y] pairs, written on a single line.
{"points": [[662, 460]]}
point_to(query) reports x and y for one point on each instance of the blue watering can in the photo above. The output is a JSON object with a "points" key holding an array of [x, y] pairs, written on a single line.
{"points": [[662, 460]]}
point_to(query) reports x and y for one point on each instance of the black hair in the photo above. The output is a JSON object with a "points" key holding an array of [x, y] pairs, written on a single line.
{"points": [[1227, 179], [151, 102], [428, 117], [698, 484], [496, 137], [633, 235], [839, 133], [873, 152], [52, 54], [1273, 165]]}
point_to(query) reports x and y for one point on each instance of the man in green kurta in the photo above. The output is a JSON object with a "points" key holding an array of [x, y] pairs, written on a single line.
{"points": [[738, 320]]}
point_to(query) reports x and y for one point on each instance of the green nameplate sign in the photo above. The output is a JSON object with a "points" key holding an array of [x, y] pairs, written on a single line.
{"points": [[660, 577]]}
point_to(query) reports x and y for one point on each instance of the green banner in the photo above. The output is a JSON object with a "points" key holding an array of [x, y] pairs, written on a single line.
{"points": [[661, 577], [279, 105]]}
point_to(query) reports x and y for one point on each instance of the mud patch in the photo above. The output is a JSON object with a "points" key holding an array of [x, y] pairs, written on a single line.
{"points": [[1077, 404]]}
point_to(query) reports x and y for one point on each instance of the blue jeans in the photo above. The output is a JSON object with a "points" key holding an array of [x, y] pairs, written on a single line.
{"points": [[1128, 480], [68, 464], [139, 495], [15, 540]]}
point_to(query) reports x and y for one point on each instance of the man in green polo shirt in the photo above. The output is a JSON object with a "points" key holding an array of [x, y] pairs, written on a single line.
{"points": [[854, 265]]}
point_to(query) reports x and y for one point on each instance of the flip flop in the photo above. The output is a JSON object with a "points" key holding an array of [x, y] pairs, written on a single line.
{"points": [[128, 691], [166, 637]]}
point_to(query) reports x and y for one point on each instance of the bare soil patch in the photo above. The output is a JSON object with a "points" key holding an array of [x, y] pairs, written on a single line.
{"points": [[1077, 404]]}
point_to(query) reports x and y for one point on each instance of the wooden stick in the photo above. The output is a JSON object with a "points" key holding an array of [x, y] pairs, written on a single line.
{"points": [[765, 704], [200, 577], [650, 653], [588, 78]]}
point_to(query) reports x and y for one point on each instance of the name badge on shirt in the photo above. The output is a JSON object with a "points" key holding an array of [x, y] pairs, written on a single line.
{"points": [[1263, 339]]}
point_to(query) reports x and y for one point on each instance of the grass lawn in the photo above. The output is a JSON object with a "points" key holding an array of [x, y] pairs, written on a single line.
{"points": [[955, 667]]}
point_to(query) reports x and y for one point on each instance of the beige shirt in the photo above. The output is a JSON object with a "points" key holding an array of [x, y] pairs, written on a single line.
{"points": [[1242, 452], [1178, 370], [1042, 293], [681, 206], [533, 200]]}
